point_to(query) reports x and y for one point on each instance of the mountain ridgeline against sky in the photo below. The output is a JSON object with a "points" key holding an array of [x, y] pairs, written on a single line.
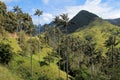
{"points": [[83, 18], [114, 21]]}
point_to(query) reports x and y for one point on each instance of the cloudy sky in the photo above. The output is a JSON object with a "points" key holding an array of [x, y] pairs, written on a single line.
{"points": [[103, 8]]}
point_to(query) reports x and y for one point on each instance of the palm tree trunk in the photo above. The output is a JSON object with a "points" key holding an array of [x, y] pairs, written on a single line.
{"points": [[31, 63], [112, 61], [39, 37], [20, 31], [113, 54], [64, 66], [59, 62], [67, 56], [59, 53], [31, 60], [73, 51], [67, 67]]}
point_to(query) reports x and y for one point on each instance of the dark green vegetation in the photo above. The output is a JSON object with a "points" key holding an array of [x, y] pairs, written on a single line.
{"points": [[84, 48], [7, 53]]}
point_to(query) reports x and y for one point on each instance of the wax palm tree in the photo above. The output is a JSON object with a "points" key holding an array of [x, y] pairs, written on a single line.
{"points": [[17, 10], [38, 13], [57, 22], [46, 27], [65, 22]]}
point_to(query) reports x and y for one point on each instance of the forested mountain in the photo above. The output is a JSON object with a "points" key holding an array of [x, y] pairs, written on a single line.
{"points": [[83, 48]]}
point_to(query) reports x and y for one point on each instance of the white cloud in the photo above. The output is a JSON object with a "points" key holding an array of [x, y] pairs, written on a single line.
{"points": [[103, 10], [45, 18], [95, 2], [45, 1]]}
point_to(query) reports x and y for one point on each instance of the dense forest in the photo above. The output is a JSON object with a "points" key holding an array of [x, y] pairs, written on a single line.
{"points": [[86, 47]]}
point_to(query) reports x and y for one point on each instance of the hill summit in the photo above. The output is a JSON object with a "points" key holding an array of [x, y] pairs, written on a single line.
{"points": [[83, 18]]}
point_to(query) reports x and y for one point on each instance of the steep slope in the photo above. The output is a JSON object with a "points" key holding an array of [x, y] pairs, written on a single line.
{"points": [[82, 19]]}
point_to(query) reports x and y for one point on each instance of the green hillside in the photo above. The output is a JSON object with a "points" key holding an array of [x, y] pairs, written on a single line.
{"points": [[93, 51], [84, 48], [20, 65], [100, 31], [97, 33]]}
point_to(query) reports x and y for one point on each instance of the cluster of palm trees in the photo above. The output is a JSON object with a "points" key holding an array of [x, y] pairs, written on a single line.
{"points": [[63, 23], [38, 13]]}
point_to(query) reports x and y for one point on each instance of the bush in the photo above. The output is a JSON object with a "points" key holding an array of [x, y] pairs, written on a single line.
{"points": [[5, 53], [25, 73], [43, 78]]}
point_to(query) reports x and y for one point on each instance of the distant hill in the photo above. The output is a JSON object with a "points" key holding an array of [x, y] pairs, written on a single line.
{"points": [[83, 18], [114, 21], [39, 28]]}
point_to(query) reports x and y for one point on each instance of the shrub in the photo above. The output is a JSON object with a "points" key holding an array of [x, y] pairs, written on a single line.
{"points": [[5, 53], [43, 78]]}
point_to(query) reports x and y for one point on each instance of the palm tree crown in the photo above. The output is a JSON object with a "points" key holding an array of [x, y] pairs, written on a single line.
{"points": [[38, 12], [17, 9]]}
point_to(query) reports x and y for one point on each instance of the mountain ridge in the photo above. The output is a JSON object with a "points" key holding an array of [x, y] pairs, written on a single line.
{"points": [[115, 21]]}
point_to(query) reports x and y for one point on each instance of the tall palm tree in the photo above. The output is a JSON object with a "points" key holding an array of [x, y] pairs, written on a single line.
{"points": [[18, 11], [65, 21], [57, 22], [46, 33], [38, 13], [62, 20]]}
